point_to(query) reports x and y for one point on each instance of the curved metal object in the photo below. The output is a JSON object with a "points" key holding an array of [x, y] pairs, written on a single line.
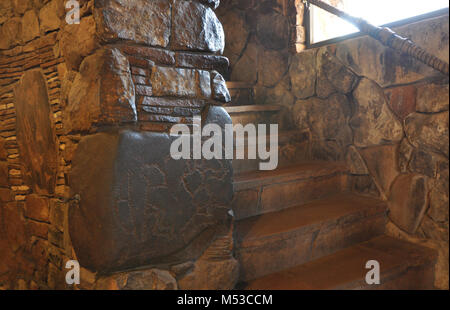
{"points": [[387, 37]]}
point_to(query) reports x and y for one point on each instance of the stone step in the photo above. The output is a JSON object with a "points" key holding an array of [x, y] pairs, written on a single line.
{"points": [[279, 240], [259, 192], [403, 265], [242, 93], [254, 114], [288, 141]]}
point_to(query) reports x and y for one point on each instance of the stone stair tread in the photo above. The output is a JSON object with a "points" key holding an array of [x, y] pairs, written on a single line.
{"points": [[250, 231], [345, 269], [236, 84], [252, 108], [302, 170]]}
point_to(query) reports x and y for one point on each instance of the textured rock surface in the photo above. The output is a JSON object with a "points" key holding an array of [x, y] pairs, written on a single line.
{"points": [[10, 33], [303, 74], [408, 201], [215, 269], [141, 21], [234, 27], [33, 125], [332, 75], [50, 15], [355, 162], [214, 4], [273, 31], [373, 123], [151, 208], [382, 164], [246, 68], [102, 93], [428, 131], [78, 41], [439, 202], [196, 27], [402, 100], [219, 88], [368, 57], [176, 82], [274, 66], [432, 98], [30, 26], [325, 119]]}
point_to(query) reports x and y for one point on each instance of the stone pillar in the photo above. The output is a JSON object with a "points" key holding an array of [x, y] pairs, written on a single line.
{"points": [[144, 67]]}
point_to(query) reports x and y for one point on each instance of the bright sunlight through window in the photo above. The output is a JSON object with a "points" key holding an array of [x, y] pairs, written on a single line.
{"points": [[326, 26]]}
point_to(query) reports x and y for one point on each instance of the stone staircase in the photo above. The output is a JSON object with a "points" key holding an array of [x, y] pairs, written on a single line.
{"points": [[301, 227]]}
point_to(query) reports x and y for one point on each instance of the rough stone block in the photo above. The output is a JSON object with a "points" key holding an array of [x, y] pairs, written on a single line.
{"points": [[332, 75], [102, 93], [428, 131], [30, 26], [10, 33], [35, 133], [273, 30], [326, 119], [303, 74], [402, 100], [196, 27], [382, 164], [141, 21], [50, 14], [219, 88], [373, 122], [236, 28], [408, 201], [78, 41], [432, 98], [175, 82], [272, 67]]}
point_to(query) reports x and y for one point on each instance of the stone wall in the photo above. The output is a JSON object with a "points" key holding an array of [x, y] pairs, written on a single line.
{"points": [[259, 36], [386, 115], [85, 171]]}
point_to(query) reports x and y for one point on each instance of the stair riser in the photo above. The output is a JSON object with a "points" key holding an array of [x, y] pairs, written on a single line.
{"points": [[254, 118], [246, 165], [261, 257], [267, 198], [292, 149]]}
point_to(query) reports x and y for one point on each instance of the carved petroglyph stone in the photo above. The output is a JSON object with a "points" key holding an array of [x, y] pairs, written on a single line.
{"points": [[139, 206]]}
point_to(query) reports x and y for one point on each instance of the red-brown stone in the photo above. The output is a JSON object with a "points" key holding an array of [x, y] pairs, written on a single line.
{"points": [[402, 100]]}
